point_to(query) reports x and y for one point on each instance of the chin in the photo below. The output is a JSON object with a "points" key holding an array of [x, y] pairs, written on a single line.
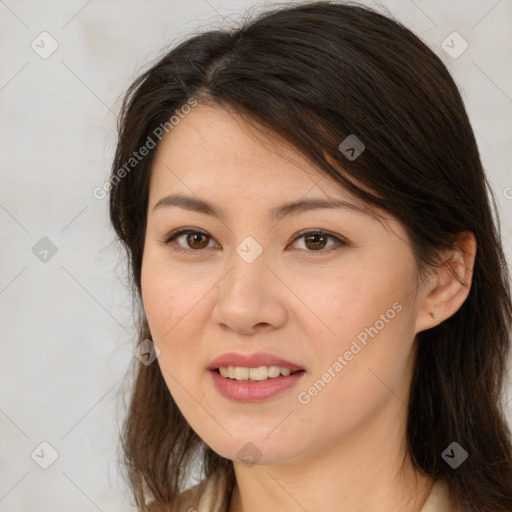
{"points": [[250, 451]]}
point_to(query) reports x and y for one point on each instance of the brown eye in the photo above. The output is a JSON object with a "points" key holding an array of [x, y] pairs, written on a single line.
{"points": [[316, 241], [312, 241], [188, 240], [197, 240]]}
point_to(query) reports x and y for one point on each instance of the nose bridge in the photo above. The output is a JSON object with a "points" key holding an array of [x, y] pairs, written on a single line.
{"points": [[248, 267], [246, 296]]}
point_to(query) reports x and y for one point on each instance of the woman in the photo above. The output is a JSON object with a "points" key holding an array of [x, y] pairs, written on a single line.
{"points": [[312, 247]]}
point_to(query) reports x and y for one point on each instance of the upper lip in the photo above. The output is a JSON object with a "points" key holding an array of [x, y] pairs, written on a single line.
{"points": [[251, 361]]}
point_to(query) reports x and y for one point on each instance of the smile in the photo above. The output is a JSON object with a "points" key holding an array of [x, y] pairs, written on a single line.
{"points": [[250, 390], [241, 373]]}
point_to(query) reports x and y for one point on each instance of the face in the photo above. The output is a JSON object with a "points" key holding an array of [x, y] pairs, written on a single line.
{"points": [[331, 291]]}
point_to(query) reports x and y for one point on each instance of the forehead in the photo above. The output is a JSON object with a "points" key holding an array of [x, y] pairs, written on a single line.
{"points": [[236, 166], [212, 149]]}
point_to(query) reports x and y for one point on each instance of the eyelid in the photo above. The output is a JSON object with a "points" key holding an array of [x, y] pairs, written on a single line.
{"points": [[182, 231]]}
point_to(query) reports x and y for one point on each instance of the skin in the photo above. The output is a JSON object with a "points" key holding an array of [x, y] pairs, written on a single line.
{"points": [[303, 302]]}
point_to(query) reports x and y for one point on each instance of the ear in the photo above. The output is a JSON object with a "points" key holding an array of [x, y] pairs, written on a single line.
{"points": [[447, 287]]}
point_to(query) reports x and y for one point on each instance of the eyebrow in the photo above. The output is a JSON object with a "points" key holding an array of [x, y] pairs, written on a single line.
{"points": [[276, 214]]}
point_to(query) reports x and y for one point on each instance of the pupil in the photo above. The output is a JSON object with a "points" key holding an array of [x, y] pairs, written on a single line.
{"points": [[195, 238], [316, 241]]}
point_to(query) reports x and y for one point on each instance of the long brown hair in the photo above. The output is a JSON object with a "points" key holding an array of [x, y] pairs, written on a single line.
{"points": [[315, 73]]}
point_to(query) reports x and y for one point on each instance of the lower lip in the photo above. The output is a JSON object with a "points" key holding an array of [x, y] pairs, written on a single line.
{"points": [[254, 391]]}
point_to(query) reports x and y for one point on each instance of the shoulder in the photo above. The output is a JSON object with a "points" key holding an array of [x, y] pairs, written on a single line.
{"points": [[196, 498], [439, 499]]}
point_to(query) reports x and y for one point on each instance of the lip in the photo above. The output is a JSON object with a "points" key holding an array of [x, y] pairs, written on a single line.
{"points": [[258, 391], [252, 361]]}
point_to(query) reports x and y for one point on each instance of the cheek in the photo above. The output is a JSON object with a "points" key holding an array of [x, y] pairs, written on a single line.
{"points": [[172, 300], [340, 306], [366, 319], [355, 379], [172, 312], [176, 311]]}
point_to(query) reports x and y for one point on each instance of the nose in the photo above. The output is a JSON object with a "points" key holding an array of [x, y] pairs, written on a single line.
{"points": [[250, 298]]}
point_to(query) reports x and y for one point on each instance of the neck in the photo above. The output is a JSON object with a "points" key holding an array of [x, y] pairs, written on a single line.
{"points": [[271, 490], [364, 472]]}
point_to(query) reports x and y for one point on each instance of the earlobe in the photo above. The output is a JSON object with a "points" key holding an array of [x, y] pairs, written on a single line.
{"points": [[449, 284]]}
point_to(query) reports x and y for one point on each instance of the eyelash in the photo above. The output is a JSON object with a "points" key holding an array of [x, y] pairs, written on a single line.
{"points": [[182, 231]]}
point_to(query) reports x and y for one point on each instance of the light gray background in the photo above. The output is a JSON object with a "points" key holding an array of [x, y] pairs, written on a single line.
{"points": [[67, 331]]}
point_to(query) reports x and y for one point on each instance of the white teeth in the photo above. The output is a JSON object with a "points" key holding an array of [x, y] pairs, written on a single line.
{"points": [[273, 371], [259, 373], [241, 373]]}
